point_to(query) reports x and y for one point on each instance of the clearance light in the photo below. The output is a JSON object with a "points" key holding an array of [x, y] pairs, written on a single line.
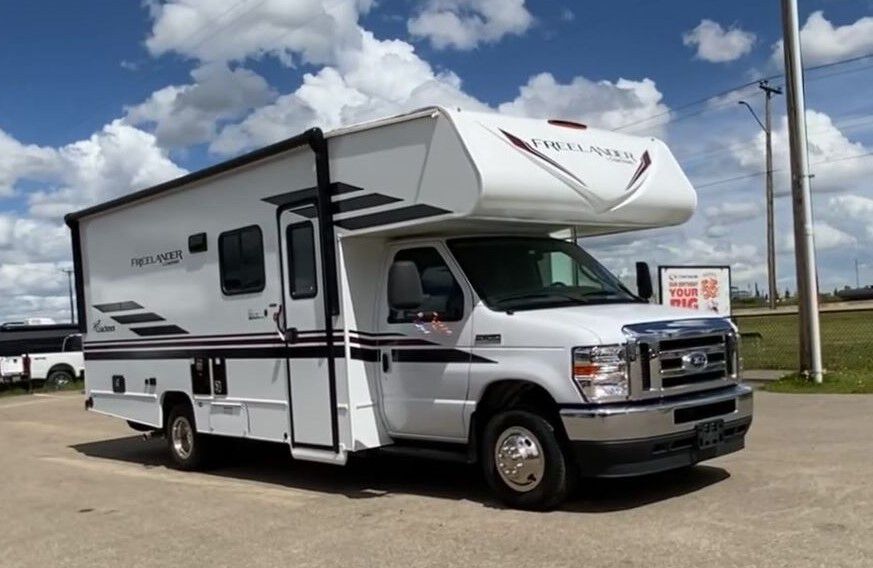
{"points": [[600, 372]]}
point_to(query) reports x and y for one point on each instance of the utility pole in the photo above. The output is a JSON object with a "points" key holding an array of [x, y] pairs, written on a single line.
{"points": [[771, 235], [804, 239], [69, 273], [857, 274]]}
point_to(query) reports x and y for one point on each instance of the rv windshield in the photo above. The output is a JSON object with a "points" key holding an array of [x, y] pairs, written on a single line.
{"points": [[522, 273]]}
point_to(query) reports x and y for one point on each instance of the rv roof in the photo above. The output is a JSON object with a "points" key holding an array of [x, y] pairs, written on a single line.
{"points": [[546, 172]]}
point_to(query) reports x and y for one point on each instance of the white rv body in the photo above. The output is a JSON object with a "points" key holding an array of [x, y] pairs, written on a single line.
{"points": [[159, 321]]}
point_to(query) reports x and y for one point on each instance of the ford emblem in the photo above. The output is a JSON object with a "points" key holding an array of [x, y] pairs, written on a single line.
{"points": [[694, 360]]}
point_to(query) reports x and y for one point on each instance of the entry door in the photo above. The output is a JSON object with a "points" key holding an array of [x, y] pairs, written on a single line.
{"points": [[425, 353], [304, 329]]}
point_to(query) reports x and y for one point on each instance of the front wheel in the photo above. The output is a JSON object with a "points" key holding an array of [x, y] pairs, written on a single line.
{"points": [[523, 461], [187, 448]]}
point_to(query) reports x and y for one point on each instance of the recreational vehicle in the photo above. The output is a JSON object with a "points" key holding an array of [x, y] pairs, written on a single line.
{"points": [[393, 287]]}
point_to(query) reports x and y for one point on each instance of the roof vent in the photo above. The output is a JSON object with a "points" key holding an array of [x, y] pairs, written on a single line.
{"points": [[567, 123]]}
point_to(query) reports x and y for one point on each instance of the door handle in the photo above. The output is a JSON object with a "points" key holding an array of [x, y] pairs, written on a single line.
{"points": [[386, 362]]}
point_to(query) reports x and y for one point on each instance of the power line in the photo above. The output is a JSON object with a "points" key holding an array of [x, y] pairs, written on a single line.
{"points": [[843, 126], [733, 89], [756, 174]]}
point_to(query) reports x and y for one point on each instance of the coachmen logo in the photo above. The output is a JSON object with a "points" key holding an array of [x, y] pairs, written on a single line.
{"points": [[695, 360], [100, 327]]}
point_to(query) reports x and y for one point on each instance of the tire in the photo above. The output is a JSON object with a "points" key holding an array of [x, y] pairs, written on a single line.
{"points": [[524, 462], [188, 450], [58, 379]]}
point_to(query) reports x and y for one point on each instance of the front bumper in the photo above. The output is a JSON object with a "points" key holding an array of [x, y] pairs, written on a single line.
{"points": [[645, 437]]}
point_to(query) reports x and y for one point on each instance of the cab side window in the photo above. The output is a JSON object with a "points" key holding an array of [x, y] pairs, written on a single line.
{"points": [[443, 296]]}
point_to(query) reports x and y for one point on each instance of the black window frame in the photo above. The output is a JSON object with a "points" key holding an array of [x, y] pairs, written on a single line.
{"points": [[394, 320], [222, 263], [295, 295]]}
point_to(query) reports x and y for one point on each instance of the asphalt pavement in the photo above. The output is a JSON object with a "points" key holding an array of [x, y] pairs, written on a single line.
{"points": [[79, 489]]}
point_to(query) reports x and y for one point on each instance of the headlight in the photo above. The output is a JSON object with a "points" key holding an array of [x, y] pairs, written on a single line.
{"points": [[601, 372]]}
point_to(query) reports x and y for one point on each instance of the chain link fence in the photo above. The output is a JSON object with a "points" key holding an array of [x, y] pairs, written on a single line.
{"points": [[770, 339]]}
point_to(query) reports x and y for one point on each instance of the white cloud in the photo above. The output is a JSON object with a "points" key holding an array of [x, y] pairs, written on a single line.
{"points": [[221, 31], [717, 45], [828, 147], [822, 42], [733, 211], [112, 162], [19, 160], [381, 78], [826, 237], [189, 114], [602, 103], [464, 24]]}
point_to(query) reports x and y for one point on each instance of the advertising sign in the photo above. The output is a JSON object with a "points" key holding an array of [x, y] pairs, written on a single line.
{"points": [[704, 288]]}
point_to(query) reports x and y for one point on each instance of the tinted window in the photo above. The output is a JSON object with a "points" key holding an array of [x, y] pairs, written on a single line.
{"points": [[241, 260], [443, 297], [301, 260], [73, 343], [512, 273]]}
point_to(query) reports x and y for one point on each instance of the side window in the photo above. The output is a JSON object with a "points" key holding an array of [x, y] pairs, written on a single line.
{"points": [[443, 296], [301, 260], [241, 260]]}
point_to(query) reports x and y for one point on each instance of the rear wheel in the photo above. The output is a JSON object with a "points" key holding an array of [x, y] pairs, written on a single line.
{"points": [[523, 461], [188, 449], [58, 379]]}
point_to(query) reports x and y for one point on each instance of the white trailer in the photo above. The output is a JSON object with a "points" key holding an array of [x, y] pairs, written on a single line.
{"points": [[392, 286]]}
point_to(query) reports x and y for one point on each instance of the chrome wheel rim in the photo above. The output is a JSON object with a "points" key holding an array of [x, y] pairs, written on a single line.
{"points": [[518, 456], [183, 437]]}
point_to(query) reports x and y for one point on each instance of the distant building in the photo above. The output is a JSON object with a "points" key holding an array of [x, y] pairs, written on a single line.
{"points": [[738, 294]]}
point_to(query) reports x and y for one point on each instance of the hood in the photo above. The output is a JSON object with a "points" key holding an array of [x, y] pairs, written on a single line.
{"points": [[604, 321]]}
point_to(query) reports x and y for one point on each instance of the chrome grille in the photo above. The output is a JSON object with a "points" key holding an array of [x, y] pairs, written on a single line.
{"points": [[681, 356]]}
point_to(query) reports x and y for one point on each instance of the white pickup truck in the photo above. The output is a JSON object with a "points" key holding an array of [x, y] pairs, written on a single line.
{"points": [[54, 369]]}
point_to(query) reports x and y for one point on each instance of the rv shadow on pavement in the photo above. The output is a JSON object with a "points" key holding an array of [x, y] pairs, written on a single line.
{"points": [[377, 476]]}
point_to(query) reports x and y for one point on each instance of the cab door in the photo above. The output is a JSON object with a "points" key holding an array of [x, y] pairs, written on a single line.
{"points": [[425, 353]]}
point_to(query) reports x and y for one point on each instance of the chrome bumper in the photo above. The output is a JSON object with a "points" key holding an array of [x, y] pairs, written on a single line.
{"points": [[648, 419]]}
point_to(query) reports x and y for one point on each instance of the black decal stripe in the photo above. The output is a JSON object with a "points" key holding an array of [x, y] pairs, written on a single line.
{"points": [[363, 202], [351, 204], [368, 355], [391, 342], [308, 339], [309, 211], [159, 330], [163, 339], [371, 334], [436, 356], [398, 215], [308, 195], [117, 306], [138, 318], [193, 343], [302, 352]]}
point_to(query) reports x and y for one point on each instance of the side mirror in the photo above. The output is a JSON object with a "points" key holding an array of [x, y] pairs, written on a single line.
{"points": [[404, 286], [644, 281]]}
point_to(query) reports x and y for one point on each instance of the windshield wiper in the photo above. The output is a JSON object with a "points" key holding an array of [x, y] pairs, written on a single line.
{"points": [[535, 295]]}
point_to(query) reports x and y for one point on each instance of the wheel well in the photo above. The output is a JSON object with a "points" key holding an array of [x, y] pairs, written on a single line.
{"points": [[61, 367], [512, 394], [171, 399]]}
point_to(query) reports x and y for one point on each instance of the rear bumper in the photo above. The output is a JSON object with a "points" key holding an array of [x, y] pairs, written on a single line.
{"points": [[635, 439]]}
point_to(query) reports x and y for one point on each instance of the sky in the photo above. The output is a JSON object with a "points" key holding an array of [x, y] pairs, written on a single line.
{"points": [[101, 97]]}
